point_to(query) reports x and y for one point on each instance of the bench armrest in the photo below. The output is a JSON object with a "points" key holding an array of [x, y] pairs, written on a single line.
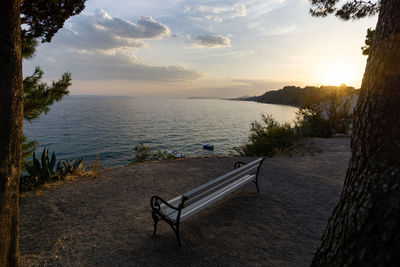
{"points": [[155, 203], [238, 164]]}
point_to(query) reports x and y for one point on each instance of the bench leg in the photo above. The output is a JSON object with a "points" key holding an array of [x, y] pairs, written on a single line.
{"points": [[256, 182], [258, 171], [176, 230], [155, 219]]}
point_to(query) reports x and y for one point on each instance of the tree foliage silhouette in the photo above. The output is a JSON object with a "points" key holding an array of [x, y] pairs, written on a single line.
{"points": [[38, 97], [39, 26], [369, 39]]}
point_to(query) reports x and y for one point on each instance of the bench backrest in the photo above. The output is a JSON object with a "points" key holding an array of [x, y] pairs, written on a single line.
{"points": [[218, 183]]}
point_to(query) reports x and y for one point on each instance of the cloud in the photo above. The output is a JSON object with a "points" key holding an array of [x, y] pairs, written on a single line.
{"points": [[104, 32], [217, 13], [264, 84], [212, 9], [261, 8], [239, 10], [122, 66], [283, 29], [146, 28], [214, 18], [232, 87], [213, 41], [99, 47], [195, 18]]}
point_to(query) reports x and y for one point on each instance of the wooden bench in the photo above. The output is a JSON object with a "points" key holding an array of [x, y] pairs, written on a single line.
{"points": [[178, 209]]}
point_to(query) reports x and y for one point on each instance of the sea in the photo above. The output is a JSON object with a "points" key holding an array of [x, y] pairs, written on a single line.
{"points": [[109, 128]]}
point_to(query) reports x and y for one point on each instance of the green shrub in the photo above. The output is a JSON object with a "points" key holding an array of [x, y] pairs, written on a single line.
{"points": [[309, 124], [268, 138], [325, 113], [69, 167], [144, 154], [322, 114]]}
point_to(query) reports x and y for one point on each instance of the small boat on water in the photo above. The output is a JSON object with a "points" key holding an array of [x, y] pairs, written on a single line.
{"points": [[208, 146]]}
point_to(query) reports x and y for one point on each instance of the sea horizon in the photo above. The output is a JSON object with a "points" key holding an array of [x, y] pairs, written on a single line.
{"points": [[109, 127]]}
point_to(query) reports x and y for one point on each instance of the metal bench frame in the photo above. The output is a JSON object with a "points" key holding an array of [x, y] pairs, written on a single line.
{"points": [[203, 195]]}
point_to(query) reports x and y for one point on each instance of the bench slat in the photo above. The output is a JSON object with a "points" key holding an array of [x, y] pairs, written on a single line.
{"points": [[209, 188], [214, 187], [250, 165], [210, 199]]}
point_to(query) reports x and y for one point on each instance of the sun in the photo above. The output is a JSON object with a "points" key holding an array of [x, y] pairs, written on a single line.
{"points": [[336, 74]]}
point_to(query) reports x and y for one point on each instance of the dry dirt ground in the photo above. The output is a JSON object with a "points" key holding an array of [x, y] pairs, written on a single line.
{"points": [[106, 221]]}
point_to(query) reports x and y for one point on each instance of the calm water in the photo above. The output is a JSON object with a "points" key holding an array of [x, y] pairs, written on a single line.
{"points": [[110, 127]]}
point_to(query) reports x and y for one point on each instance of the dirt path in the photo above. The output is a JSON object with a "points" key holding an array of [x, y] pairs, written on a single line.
{"points": [[106, 221]]}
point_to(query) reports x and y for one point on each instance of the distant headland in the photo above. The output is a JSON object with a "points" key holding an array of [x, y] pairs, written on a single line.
{"points": [[294, 95]]}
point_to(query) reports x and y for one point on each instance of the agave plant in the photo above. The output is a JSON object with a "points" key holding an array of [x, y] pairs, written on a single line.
{"points": [[41, 171]]}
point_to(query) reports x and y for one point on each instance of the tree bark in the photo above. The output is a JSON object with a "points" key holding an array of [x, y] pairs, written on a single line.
{"points": [[11, 113], [364, 228]]}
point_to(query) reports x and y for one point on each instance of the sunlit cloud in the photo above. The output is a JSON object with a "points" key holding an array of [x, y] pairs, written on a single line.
{"points": [[217, 13], [239, 10], [123, 66], [146, 28], [284, 29], [101, 31], [214, 18], [195, 18], [213, 41], [260, 84], [258, 9]]}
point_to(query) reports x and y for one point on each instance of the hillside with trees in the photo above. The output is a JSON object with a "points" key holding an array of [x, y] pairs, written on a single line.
{"points": [[295, 96]]}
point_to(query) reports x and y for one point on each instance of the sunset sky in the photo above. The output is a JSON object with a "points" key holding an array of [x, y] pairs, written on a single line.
{"points": [[166, 48]]}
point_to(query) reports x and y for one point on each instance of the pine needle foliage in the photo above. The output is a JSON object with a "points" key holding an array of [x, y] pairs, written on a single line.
{"points": [[38, 96]]}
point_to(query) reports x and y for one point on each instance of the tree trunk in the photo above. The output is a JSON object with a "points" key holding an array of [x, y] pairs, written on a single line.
{"points": [[11, 113], [364, 228]]}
